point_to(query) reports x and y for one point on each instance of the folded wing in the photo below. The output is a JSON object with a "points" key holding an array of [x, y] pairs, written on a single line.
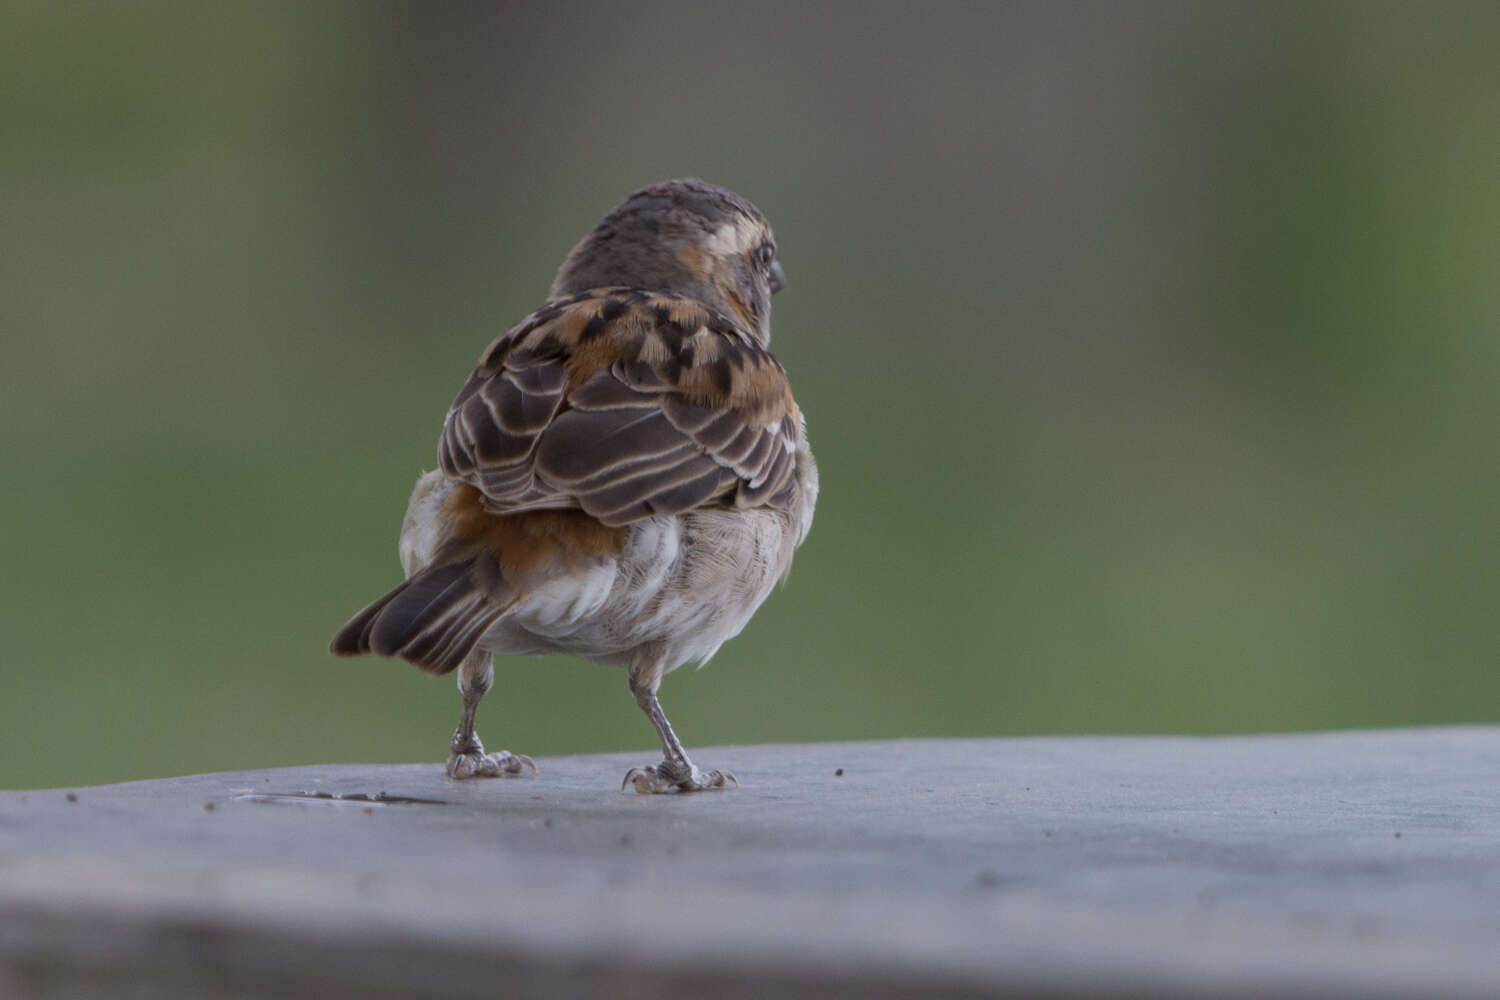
{"points": [[624, 404]]}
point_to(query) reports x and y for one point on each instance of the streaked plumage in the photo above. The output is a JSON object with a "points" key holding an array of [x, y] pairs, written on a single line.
{"points": [[624, 476]]}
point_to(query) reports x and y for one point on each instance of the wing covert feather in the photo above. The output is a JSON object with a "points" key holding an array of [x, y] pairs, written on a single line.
{"points": [[623, 403]]}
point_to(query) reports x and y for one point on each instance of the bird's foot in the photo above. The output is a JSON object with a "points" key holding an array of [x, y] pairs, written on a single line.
{"points": [[470, 761], [672, 777]]}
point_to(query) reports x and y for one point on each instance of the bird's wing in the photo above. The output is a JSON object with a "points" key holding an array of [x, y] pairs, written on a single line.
{"points": [[625, 404]]}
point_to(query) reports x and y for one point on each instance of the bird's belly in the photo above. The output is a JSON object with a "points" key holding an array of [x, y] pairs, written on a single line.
{"points": [[686, 584]]}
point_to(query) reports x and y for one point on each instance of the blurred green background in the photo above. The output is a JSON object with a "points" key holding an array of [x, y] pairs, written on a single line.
{"points": [[1149, 353]]}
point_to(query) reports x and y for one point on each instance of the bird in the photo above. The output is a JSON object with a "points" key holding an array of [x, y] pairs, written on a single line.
{"points": [[624, 477]]}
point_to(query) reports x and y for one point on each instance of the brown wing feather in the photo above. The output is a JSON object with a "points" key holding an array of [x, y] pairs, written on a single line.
{"points": [[625, 404]]}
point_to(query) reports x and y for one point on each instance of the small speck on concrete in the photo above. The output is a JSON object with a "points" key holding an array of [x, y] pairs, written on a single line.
{"points": [[839, 773], [547, 822], [72, 797], [987, 879], [208, 807], [625, 840], [1398, 836]]}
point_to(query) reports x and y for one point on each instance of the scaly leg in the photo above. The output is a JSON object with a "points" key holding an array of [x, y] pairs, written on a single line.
{"points": [[675, 772], [466, 758]]}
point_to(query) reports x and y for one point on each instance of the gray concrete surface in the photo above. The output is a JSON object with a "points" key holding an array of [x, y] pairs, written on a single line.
{"points": [[1354, 864]]}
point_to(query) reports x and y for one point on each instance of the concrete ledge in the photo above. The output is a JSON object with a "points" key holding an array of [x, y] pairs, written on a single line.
{"points": [[1356, 864]]}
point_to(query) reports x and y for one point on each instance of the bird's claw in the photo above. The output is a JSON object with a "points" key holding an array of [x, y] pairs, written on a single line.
{"points": [[666, 777], [478, 764]]}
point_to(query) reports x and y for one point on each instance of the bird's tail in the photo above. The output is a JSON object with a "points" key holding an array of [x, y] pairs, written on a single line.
{"points": [[435, 618]]}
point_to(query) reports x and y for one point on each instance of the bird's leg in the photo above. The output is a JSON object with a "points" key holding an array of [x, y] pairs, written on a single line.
{"points": [[675, 772], [466, 758]]}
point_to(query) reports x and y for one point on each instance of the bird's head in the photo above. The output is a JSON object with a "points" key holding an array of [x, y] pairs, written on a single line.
{"points": [[686, 237]]}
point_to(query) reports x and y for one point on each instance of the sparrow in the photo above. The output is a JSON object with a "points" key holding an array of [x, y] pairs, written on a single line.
{"points": [[624, 477]]}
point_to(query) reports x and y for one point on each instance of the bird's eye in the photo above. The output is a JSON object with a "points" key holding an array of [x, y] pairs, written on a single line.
{"points": [[765, 254]]}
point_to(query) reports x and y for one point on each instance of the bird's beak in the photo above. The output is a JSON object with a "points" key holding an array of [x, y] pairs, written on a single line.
{"points": [[778, 277]]}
